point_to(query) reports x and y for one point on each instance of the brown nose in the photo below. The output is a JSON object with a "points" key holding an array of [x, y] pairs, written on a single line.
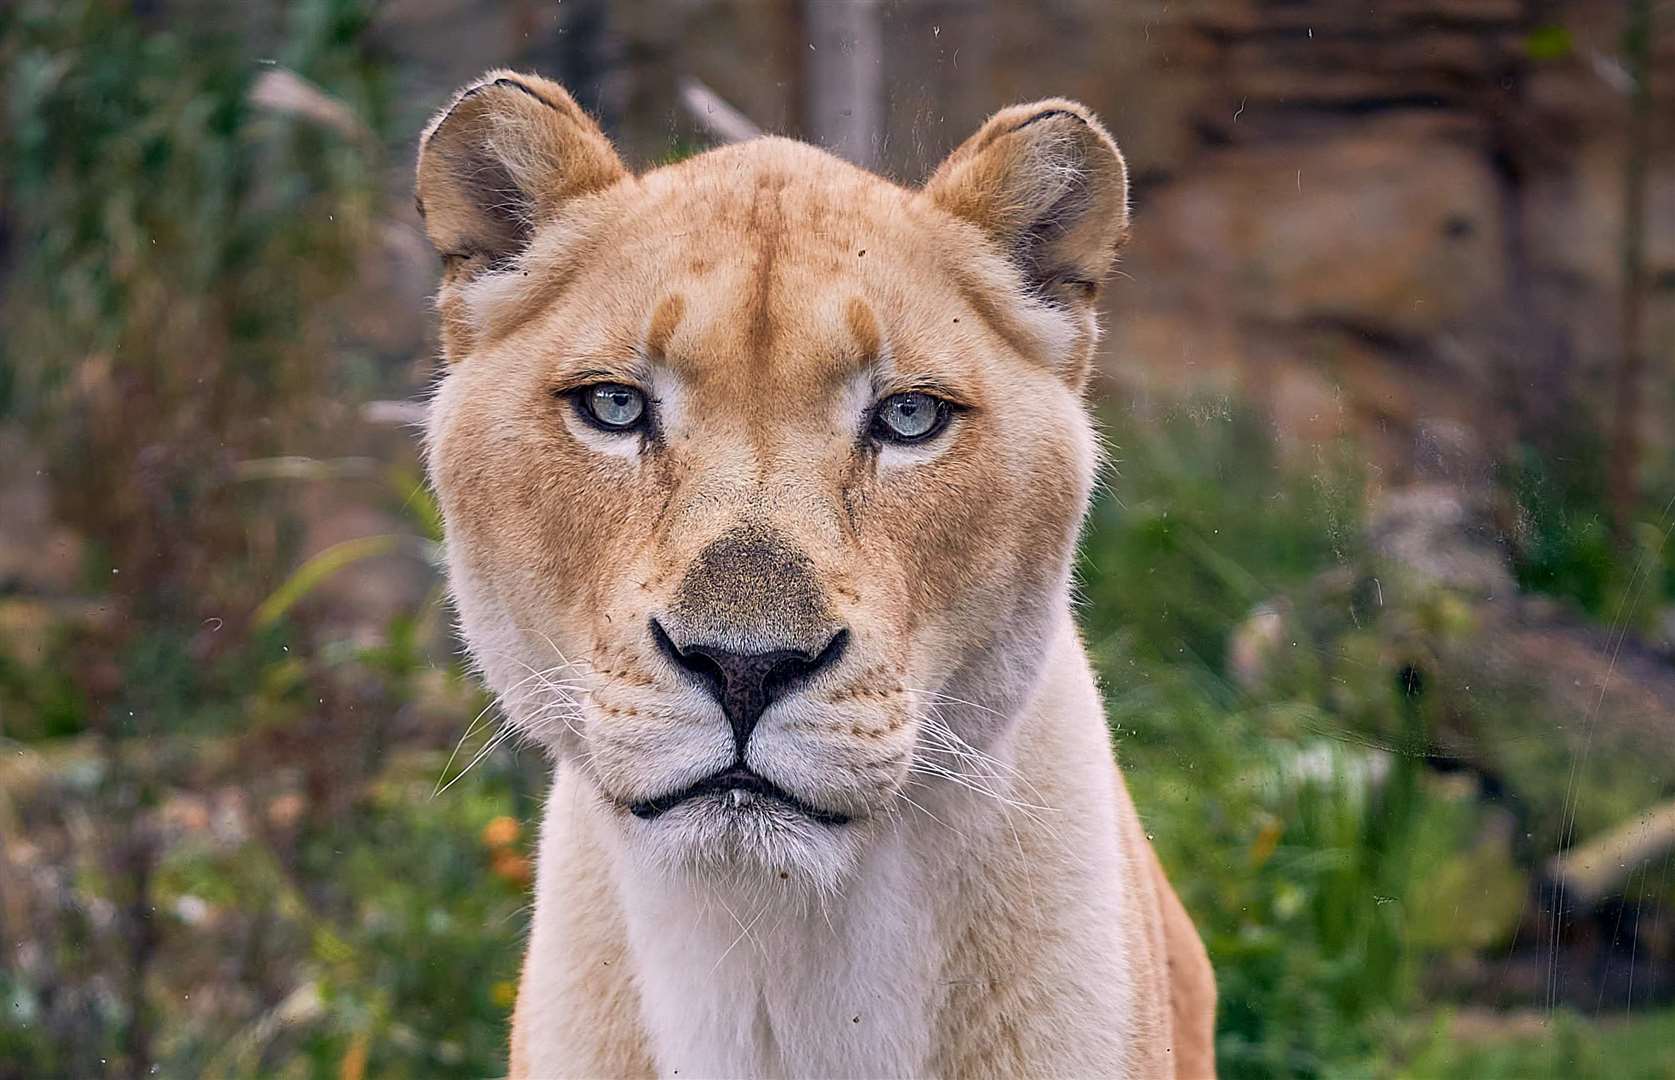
{"points": [[745, 684]]}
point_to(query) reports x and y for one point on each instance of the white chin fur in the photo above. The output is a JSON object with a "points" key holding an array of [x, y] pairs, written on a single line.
{"points": [[751, 843]]}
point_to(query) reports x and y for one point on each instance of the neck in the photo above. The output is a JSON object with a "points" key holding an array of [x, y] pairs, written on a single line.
{"points": [[1004, 892]]}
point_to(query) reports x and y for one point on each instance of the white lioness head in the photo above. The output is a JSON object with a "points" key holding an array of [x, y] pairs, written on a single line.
{"points": [[761, 474]]}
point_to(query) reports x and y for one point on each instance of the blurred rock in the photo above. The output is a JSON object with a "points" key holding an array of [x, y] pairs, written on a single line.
{"points": [[1599, 870], [1665, 633], [1442, 537], [1255, 642], [1441, 528]]}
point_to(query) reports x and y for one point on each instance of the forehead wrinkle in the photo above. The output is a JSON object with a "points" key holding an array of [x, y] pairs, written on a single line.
{"points": [[766, 225]]}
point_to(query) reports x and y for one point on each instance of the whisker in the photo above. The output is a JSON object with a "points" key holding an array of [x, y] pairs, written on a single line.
{"points": [[919, 807], [940, 696], [961, 780], [498, 699], [938, 729], [505, 732]]}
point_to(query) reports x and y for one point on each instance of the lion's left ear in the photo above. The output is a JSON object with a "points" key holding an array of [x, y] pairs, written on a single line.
{"points": [[1046, 182]]}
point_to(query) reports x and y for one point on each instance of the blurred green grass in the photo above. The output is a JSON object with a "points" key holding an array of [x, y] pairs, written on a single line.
{"points": [[1566, 1044]]}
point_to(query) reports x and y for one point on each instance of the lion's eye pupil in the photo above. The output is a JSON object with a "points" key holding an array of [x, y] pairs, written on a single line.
{"points": [[615, 405], [909, 416]]}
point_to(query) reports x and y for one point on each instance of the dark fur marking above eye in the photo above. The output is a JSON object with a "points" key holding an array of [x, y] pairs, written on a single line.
{"points": [[664, 321]]}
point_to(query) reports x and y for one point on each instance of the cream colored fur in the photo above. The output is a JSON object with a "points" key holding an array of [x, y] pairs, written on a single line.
{"points": [[990, 905]]}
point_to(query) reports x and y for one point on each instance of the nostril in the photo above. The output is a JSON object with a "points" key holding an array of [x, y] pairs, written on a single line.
{"points": [[799, 666], [695, 660], [745, 684]]}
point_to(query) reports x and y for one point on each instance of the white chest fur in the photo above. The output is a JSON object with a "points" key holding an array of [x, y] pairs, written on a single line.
{"points": [[781, 983]]}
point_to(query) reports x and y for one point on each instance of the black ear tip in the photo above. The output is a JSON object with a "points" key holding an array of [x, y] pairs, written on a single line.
{"points": [[499, 82], [489, 84], [1048, 114], [472, 91], [519, 84]]}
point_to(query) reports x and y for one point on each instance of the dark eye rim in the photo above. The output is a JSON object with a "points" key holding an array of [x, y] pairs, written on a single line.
{"points": [[579, 400], [884, 433]]}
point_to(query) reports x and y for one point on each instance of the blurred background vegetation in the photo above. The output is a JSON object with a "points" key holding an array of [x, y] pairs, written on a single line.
{"points": [[1381, 582]]}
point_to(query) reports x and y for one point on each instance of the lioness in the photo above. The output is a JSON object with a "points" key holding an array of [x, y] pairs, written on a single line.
{"points": [[762, 477]]}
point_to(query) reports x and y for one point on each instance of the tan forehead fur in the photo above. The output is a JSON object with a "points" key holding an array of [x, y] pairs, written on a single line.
{"points": [[779, 238]]}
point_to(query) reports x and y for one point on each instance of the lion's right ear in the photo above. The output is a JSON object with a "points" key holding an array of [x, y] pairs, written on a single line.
{"points": [[505, 156]]}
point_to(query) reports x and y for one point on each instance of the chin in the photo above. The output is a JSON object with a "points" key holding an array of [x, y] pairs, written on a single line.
{"points": [[742, 839]]}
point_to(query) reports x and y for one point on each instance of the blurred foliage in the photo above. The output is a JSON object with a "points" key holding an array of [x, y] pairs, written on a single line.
{"points": [[1296, 864], [295, 939], [1201, 523], [176, 254], [171, 249], [1327, 866], [1549, 43], [406, 921], [1563, 531]]}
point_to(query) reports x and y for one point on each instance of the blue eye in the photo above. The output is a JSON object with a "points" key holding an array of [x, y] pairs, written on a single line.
{"points": [[612, 406], [908, 418]]}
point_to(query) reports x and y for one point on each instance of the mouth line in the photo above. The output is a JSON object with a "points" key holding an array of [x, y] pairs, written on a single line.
{"points": [[734, 778]]}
